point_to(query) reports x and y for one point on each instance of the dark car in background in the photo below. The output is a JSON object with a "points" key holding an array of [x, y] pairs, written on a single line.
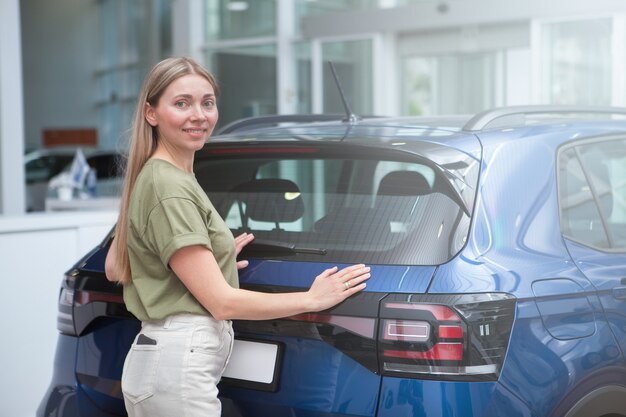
{"points": [[498, 252], [42, 165]]}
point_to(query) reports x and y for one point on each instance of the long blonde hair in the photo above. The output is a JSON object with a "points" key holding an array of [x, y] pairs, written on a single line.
{"points": [[143, 142]]}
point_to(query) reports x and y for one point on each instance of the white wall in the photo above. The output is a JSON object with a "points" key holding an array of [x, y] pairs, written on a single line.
{"points": [[35, 251]]}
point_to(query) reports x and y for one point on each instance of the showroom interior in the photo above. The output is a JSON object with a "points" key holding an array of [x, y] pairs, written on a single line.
{"points": [[70, 71]]}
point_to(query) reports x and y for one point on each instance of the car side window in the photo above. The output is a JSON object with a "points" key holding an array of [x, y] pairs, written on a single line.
{"points": [[592, 189], [606, 165], [45, 167]]}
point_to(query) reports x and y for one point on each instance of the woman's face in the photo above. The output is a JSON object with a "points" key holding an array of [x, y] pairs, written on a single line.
{"points": [[186, 113]]}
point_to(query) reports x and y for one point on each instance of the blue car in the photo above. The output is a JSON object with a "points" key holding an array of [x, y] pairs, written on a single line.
{"points": [[497, 245]]}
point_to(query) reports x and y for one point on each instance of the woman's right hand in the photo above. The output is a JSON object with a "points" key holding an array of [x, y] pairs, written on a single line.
{"points": [[333, 286]]}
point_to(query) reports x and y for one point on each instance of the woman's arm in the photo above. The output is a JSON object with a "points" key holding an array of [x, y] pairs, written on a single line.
{"points": [[198, 270]]}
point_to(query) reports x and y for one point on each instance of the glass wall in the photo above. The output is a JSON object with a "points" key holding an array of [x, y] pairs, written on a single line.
{"points": [[243, 50], [321, 7], [228, 19], [126, 53], [576, 62], [450, 84], [353, 64], [247, 79], [303, 77]]}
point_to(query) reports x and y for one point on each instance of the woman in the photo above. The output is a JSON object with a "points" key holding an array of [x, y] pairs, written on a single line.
{"points": [[177, 258]]}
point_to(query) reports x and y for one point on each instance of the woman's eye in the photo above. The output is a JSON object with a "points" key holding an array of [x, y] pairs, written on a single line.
{"points": [[209, 104], [180, 104]]}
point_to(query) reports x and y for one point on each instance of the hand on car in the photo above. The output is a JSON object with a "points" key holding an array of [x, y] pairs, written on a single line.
{"points": [[333, 285], [240, 242]]}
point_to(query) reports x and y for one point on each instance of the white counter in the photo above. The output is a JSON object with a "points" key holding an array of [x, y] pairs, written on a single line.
{"points": [[35, 250]]}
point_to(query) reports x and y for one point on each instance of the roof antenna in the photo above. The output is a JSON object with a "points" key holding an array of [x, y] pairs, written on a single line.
{"points": [[351, 117]]}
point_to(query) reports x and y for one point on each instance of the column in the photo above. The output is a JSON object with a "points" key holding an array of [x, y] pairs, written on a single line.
{"points": [[12, 184]]}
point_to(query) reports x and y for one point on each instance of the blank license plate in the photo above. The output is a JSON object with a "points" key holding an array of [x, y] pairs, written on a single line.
{"points": [[254, 364]]}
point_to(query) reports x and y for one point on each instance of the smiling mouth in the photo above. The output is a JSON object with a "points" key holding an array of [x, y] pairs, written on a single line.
{"points": [[195, 131]]}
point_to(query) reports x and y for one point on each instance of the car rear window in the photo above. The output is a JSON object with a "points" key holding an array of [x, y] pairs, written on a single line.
{"points": [[353, 205]]}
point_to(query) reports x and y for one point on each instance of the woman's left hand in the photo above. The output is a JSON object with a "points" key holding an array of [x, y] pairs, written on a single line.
{"points": [[240, 242]]}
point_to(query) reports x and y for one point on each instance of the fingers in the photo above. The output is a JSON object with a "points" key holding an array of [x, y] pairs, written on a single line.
{"points": [[244, 238], [242, 264], [355, 289], [333, 285], [350, 278], [328, 272], [353, 275], [349, 271], [356, 281]]}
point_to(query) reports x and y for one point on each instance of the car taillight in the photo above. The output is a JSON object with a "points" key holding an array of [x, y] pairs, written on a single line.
{"points": [[65, 314], [455, 337], [86, 297]]}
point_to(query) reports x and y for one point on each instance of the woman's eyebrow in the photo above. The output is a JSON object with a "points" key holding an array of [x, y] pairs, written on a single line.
{"points": [[188, 96]]}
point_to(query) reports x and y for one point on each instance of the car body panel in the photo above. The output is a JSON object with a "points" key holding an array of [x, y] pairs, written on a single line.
{"points": [[389, 278], [327, 383], [607, 272], [100, 358], [568, 337], [543, 369], [416, 398]]}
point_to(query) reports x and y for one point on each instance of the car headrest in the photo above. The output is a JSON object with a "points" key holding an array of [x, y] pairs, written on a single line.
{"points": [[271, 200], [403, 183]]}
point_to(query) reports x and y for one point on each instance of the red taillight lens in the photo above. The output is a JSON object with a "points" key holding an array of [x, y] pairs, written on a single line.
{"points": [[439, 352], [437, 337], [86, 297], [444, 337], [450, 332]]}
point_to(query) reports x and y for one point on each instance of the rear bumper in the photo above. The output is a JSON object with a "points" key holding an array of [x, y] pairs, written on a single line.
{"points": [[63, 397], [67, 395], [413, 397]]}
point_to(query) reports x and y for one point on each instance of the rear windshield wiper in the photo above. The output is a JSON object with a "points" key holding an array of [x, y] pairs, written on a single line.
{"points": [[275, 247]]}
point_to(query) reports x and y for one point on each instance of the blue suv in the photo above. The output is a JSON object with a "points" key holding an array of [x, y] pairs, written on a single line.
{"points": [[498, 252]]}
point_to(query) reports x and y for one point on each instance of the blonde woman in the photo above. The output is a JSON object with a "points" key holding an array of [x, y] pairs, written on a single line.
{"points": [[176, 257]]}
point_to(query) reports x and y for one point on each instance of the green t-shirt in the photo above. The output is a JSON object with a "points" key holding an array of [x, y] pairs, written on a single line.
{"points": [[168, 211]]}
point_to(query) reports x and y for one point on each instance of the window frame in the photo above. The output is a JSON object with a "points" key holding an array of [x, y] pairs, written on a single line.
{"points": [[347, 152]]}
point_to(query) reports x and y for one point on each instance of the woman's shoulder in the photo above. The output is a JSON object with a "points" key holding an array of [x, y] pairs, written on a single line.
{"points": [[166, 180]]}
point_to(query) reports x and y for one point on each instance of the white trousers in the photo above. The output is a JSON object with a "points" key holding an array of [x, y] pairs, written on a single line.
{"points": [[174, 366]]}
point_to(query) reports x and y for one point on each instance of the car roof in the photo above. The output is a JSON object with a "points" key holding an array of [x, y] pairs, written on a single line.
{"points": [[461, 132], [401, 133]]}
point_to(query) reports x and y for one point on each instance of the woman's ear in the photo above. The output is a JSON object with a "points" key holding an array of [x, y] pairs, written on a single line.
{"points": [[149, 114]]}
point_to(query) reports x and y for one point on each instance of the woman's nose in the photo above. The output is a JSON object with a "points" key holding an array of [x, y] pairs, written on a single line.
{"points": [[197, 112]]}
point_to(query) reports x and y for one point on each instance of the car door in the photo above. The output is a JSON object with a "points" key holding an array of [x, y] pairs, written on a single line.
{"points": [[592, 191]]}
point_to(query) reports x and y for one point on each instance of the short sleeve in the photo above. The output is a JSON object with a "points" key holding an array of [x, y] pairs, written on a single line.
{"points": [[174, 224]]}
